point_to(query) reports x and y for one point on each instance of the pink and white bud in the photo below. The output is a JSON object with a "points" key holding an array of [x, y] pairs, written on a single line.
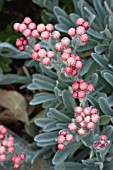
{"points": [[55, 35], [87, 119], [83, 86], [35, 34], [16, 166], [67, 50], [46, 61], [81, 131], [72, 32], [84, 38], [2, 137], [86, 25], [32, 26], [75, 95], [42, 53], [61, 139], [10, 143], [90, 125], [65, 41], [23, 156], [78, 64], [27, 20], [69, 137], [2, 149], [72, 127], [50, 54], [16, 26], [78, 109], [80, 80], [94, 111], [71, 61], [90, 87], [61, 146], [74, 73], [81, 94], [75, 86], [63, 132], [22, 48], [65, 56], [45, 35], [2, 158], [49, 27], [79, 118], [24, 42], [77, 58], [11, 138], [58, 46], [37, 47], [68, 70], [80, 21], [4, 131], [96, 144], [22, 27], [27, 33], [83, 114], [83, 124], [17, 159], [4, 142], [80, 30], [11, 150], [87, 110], [35, 55], [95, 118], [103, 137], [19, 43], [41, 27]]}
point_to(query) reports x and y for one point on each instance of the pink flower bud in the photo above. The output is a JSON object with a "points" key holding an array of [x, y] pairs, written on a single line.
{"points": [[67, 50], [74, 73], [40, 27], [22, 48], [4, 142], [103, 137], [18, 43], [11, 150], [35, 56], [95, 118], [68, 70], [77, 58], [69, 137], [50, 54], [35, 34], [79, 118], [16, 26], [2, 137], [87, 111], [83, 124], [65, 41], [49, 27], [75, 95], [78, 109], [2, 149], [72, 32], [90, 125], [83, 86], [58, 46], [81, 131], [94, 111], [27, 20], [83, 114], [11, 138], [27, 33], [37, 47], [17, 159], [71, 61], [16, 166], [86, 25], [84, 38], [80, 21], [90, 87], [80, 30], [63, 132], [2, 158], [10, 143], [4, 131], [46, 61], [42, 53], [22, 27], [61, 147], [55, 35], [78, 64], [25, 42], [87, 119], [81, 94], [80, 80], [45, 35], [96, 144], [32, 26], [23, 156], [65, 56], [61, 139], [75, 86], [72, 127]]}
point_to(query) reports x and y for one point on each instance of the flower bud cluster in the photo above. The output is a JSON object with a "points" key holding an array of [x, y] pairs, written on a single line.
{"points": [[21, 43], [102, 143], [85, 120], [42, 55], [81, 88], [63, 138], [80, 30], [7, 146], [17, 159]]}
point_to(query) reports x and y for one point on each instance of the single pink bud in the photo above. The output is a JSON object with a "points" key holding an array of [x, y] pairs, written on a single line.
{"points": [[46, 61], [63, 132], [40, 27], [2, 149], [22, 27], [1, 127], [61, 139], [95, 118], [78, 109], [84, 38], [16, 166], [80, 30], [19, 43], [55, 35], [4, 131], [94, 111], [83, 124], [78, 64], [27, 20], [83, 114], [27, 33], [11, 150], [58, 46], [13, 158], [49, 27], [65, 56], [79, 118], [91, 87], [25, 42], [86, 25], [16, 26], [75, 86], [11, 138], [90, 125], [80, 21], [2, 158], [65, 41], [17, 159], [35, 56], [69, 137], [77, 58], [72, 127], [37, 47], [67, 50], [4, 142], [50, 54], [23, 156], [35, 34], [32, 26], [83, 86], [42, 53], [72, 32], [45, 35], [74, 73], [80, 80], [81, 131], [75, 95], [22, 48], [61, 147], [2, 137], [71, 61], [81, 94], [87, 119], [68, 70], [96, 144], [102, 142], [87, 110], [10, 143], [21, 39], [103, 137]]}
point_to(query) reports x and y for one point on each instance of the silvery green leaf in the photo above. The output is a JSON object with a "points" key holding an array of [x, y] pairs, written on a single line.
{"points": [[74, 17], [51, 126], [81, 7], [110, 22], [105, 119], [62, 28], [91, 15], [95, 34], [104, 105], [44, 144], [108, 8], [101, 48], [108, 77], [111, 52], [100, 164], [64, 21], [60, 12], [30, 63], [107, 33], [70, 166], [41, 122], [108, 131]]}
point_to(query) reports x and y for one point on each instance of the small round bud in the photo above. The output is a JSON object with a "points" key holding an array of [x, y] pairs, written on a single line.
{"points": [[37, 47], [75, 95], [61, 147], [35, 55], [22, 48], [2, 137], [35, 34], [46, 61], [96, 144], [80, 21], [65, 41], [78, 109], [27, 33], [86, 25], [25, 42], [90, 87], [74, 73], [72, 32], [23, 156], [79, 119], [81, 131], [75, 86], [61, 139], [65, 56], [95, 118], [50, 54], [68, 70], [83, 86], [87, 119], [22, 27], [16, 26], [45, 35], [71, 61], [4, 131], [103, 137], [87, 111], [84, 38], [2, 158], [27, 20], [58, 46], [55, 35], [78, 64], [2, 149], [19, 43], [63, 132], [69, 137], [94, 111], [83, 124], [49, 27], [11, 150], [90, 125], [32, 26], [77, 58], [80, 30], [81, 94], [16, 166], [42, 53], [40, 27], [72, 127]]}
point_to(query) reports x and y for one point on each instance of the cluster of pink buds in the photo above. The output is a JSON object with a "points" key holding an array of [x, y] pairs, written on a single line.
{"points": [[102, 143], [7, 147], [85, 120], [42, 55], [81, 88], [17, 159], [80, 30], [63, 138], [21, 43]]}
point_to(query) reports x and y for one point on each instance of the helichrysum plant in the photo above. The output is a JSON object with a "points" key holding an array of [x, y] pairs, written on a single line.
{"points": [[73, 119]]}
